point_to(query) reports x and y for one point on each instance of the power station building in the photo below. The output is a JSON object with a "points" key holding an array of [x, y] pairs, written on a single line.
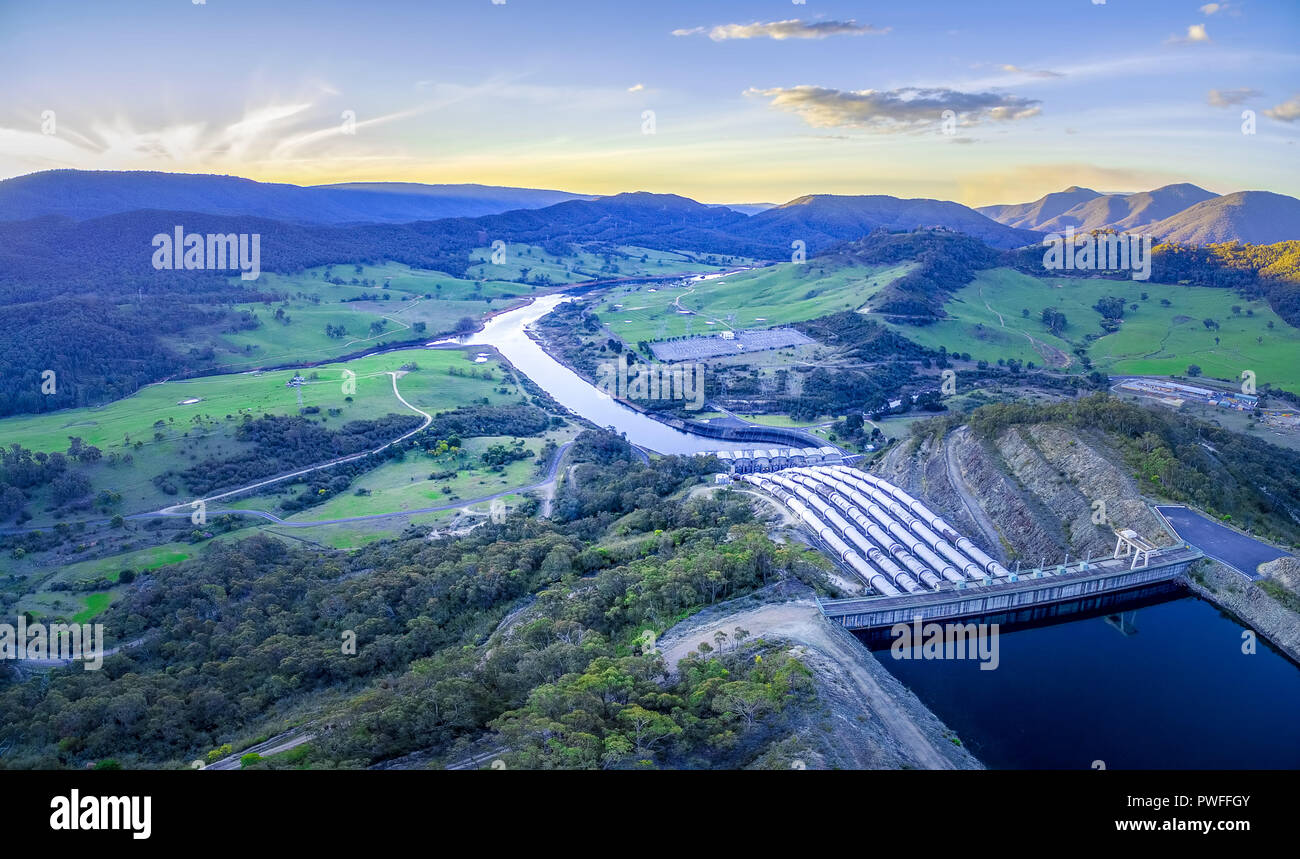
{"points": [[763, 461]]}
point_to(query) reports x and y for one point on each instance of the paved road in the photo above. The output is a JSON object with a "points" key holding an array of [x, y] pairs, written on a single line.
{"points": [[1244, 554]]}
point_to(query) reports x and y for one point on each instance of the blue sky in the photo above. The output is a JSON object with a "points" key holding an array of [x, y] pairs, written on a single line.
{"points": [[751, 101]]}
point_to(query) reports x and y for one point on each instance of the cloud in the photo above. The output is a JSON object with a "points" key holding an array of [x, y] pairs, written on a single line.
{"points": [[894, 110], [792, 29], [1041, 73], [1287, 111], [1229, 97], [636, 88], [1196, 34], [1211, 8]]}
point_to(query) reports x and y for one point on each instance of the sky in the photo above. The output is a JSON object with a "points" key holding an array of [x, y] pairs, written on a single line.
{"points": [[998, 101]]}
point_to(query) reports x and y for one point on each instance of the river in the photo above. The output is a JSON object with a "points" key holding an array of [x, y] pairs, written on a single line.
{"points": [[508, 333]]}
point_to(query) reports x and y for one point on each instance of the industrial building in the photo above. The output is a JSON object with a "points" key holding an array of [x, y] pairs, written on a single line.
{"points": [[763, 461]]}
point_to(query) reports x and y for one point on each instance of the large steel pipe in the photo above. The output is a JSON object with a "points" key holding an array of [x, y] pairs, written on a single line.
{"points": [[920, 549], [864, 536], [874, 578], [896, 512], [935, 521], [846, 529], [888, 511]]}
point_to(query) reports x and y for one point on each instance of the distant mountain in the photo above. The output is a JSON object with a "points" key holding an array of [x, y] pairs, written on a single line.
{"points": [[1031, 216], [1255, 217], [409, 201], [822, 220], [81, 195], [747, 208], [1084, 209]]}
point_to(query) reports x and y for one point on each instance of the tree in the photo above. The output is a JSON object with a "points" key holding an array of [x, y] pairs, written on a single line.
{"points": [[646, 728], [1193, 370], [742, 698], [1054, 320]]}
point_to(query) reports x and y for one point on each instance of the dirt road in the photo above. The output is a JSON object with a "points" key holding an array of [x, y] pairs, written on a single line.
{"points": [[802, 622]]}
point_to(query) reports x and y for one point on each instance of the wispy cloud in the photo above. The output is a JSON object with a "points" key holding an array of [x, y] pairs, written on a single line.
{"points": [[636, 88], [1039, 73], [792, 29], [895, 110], [1229, 97], [1287, 111]]}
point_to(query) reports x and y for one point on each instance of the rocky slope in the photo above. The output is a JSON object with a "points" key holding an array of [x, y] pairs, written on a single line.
{"points": [[1036, 491], [1033, 493]]}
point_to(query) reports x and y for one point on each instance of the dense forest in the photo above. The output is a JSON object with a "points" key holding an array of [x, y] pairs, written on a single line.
{"points": [[252, 633]]}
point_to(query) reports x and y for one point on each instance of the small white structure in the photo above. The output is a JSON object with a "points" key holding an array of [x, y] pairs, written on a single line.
{"points": [[1129, 542]]}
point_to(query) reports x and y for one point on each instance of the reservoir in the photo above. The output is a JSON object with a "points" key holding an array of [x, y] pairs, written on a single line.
{"points": [[1159, 683]]}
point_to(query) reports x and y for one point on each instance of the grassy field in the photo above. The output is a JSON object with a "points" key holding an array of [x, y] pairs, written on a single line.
{"points": [[401, 297], [46, 598], [159, 432], [988, 320], [783, 421], [395, 297], [532, 263], [760, 298]]}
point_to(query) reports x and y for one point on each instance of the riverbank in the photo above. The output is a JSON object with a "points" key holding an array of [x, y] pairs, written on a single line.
{"points": [[1229, 591]]}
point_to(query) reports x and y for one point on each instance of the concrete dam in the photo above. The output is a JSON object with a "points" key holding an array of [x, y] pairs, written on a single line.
{"points": [[915, 564]]}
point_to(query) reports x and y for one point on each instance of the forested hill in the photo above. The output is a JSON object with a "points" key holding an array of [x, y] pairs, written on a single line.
{"points": [[948, 261], [566, 686]]}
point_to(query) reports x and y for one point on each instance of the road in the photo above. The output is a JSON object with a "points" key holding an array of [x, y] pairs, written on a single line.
{"points": [[550, 478], [1239, 551], [273, 746], [186, 509]]}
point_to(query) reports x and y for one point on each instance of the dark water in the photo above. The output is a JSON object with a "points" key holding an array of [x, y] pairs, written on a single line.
{"points": [[1175, 693]]}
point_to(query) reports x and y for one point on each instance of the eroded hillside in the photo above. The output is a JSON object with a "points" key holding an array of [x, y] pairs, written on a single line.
{"points": [[1033, 491]]}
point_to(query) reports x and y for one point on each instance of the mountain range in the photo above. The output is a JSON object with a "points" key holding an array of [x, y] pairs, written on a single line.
{"points": [[1183, 212]]}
